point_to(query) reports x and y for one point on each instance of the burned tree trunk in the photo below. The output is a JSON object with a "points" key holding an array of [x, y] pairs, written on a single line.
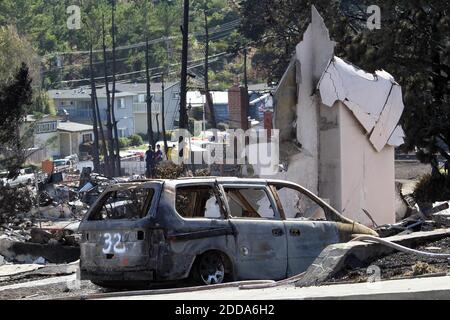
{"points": [[95, 151], [117, 169], [102, 132], [110, 163], [158, 131]]}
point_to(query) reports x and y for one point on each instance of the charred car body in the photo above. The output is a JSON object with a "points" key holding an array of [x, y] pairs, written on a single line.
{"points": [[210, 229]]}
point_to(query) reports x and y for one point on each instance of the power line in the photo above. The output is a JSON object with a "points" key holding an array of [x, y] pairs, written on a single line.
{"points": [[141, 71], [228, 27], [220, 33]]}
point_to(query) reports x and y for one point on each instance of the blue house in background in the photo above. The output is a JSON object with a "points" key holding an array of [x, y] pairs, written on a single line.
{"points": [[260, 99], [130, 106]]}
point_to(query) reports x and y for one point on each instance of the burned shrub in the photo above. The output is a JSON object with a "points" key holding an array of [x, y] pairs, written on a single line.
{"points": [[432, 188], [14, 201], [168, 170]]}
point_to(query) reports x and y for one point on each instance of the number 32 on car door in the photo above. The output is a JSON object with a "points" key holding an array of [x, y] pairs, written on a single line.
{"points": [[113, 243]]}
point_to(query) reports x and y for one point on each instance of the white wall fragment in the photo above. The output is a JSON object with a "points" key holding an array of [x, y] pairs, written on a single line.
{"points": [[388, 120], [374, 99], [345, 122], [397, 137]]}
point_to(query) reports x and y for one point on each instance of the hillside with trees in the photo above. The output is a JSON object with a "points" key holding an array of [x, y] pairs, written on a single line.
{"points": [[64, 53]]}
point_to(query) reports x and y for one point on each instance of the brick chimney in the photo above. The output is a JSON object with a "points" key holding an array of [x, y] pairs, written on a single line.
{"points": [[268, 122], [238, 102]]}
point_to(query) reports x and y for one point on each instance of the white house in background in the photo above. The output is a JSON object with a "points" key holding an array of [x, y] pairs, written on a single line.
{"points": [[59, 138], [139, 105], [77, 103], [338, 128], [130, 106]]}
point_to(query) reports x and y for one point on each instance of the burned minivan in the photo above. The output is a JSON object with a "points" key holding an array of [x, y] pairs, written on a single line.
{"points": [[210, 230]]}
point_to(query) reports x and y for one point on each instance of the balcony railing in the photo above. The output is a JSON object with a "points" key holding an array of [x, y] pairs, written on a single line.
{"points": [[142, 107]]}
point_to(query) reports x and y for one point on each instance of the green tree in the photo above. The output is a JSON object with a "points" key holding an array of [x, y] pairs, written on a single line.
{"points": [[14, 50], [15, 138]]}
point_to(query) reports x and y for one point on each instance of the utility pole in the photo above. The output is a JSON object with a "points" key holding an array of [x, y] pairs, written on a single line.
{"points": [[247, 100], [163, 115], [208, 99], [148, 86], [183, 123]]}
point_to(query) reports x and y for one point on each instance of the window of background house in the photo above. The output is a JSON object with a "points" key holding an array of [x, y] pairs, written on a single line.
{"points": [[122, 133], [297, 205], [87, 137], [250, 203], [46, 127], [141, 98], [197, 202], [121, 103]]}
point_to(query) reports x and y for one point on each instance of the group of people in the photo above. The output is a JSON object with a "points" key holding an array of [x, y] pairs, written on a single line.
{"points": [[152, 158]]}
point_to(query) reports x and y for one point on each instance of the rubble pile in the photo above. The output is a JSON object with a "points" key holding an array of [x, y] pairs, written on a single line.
{"points": [[399, 264], [54, 237], [417, 217]]}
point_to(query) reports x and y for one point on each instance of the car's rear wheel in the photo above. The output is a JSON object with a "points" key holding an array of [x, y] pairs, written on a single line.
{"points": [[210, 269]]}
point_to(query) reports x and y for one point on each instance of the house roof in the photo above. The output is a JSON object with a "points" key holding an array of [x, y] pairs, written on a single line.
{"points": [[74, 127], [84, 93], [262, 87], [195, 97], [44, 118], [142, 87], [122, 90]]}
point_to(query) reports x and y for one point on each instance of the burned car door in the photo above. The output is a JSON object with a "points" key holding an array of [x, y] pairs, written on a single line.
{"points": [[199, 225], [308, 231], [261, 249], [116, 229]]}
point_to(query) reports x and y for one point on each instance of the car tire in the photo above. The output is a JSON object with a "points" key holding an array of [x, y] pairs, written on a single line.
{"points": [[209, 269]]}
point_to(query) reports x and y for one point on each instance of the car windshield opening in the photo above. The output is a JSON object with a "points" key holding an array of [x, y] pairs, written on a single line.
{"points": [[127, 204], [297, 205]]}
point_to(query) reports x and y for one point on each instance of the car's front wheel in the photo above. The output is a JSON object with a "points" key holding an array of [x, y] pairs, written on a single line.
{"points": [[209, 269]]}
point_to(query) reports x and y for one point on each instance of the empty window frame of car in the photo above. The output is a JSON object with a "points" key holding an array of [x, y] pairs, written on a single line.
{"points": [[125, 204], [299, 205], [196, 202], [250, 202]]}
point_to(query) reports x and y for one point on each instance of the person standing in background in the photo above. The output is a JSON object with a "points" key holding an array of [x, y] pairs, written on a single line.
{"points": [[150, 162]]}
